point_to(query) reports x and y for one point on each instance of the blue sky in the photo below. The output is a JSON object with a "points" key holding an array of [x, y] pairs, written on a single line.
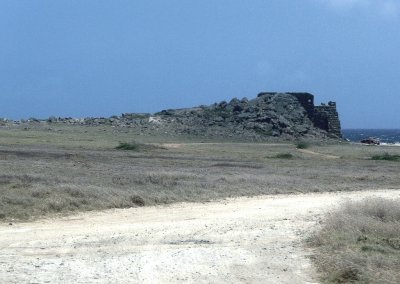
{"points": [[99, 58]]}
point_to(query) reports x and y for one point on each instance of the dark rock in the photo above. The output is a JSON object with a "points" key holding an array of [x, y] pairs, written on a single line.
{"points": [[371, 141]]}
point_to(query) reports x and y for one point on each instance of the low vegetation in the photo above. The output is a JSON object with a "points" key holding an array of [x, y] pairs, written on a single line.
{"points": [[386, 157], [302, 145], [127, 146], [74, 169], [284, 156], [135, 146], [360, 243]]}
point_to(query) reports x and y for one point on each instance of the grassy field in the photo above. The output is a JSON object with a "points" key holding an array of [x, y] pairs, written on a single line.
{"points": [[61, 170], [360, 243]]}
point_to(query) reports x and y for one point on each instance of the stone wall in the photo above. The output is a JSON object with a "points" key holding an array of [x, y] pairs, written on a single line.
{"points": [[326, 117]]}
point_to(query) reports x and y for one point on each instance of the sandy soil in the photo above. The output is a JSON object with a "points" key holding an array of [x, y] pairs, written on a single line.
{"points": [[305, 151], [247, 240]]}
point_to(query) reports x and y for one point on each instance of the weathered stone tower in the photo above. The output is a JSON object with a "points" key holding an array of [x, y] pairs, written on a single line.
{"points": [[324, 117]]}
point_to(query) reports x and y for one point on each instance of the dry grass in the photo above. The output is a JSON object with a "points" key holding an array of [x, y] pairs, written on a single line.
{"points": [[360, 243], [73, 169]]}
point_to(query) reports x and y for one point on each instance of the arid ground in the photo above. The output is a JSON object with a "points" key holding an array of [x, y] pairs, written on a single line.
{"points": [[210, 211], [246, 240]]}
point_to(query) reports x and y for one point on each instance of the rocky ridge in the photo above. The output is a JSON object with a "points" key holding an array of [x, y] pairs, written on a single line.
{"points": [[270, 115]]}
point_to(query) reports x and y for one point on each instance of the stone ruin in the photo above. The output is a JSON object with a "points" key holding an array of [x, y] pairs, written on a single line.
{"points": [[324, 117]]}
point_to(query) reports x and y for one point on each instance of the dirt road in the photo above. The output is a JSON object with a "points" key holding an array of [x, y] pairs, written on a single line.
{"points": [[248, 240]]}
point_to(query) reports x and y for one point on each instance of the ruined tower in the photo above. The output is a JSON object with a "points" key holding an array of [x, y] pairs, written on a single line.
{"points": [[324, 117]]}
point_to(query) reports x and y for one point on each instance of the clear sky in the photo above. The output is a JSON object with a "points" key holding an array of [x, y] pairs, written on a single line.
{"points": [[98, 58]]}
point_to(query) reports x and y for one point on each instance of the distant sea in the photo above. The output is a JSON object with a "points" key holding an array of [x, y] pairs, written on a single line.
{"points": [[386, 136]]}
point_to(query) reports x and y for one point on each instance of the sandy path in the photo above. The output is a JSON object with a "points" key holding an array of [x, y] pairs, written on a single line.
{"points": [[248, 240], [305, 151], [179, 145]]}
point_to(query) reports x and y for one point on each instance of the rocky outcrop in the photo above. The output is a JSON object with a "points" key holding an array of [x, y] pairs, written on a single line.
{"points": [[269, 115]]}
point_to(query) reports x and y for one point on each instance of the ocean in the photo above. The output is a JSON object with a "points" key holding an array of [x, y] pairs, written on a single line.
{"points": [[386, 136]]}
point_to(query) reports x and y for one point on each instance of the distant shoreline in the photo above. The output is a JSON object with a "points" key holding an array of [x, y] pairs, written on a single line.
{"points": [[386, 136]]}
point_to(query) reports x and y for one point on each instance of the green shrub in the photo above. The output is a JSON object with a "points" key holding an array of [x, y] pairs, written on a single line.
{"points": [[386, 157], [128, 146], [137, 200], [302, 145], [135, 146], [284, 156]]}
